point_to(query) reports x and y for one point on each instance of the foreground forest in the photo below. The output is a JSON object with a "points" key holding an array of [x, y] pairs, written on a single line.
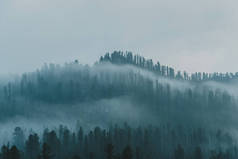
{"points": [[168, 114], [124, 142]]}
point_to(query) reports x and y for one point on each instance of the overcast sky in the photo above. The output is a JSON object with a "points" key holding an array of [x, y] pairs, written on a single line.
{"points": [[192, 35]]}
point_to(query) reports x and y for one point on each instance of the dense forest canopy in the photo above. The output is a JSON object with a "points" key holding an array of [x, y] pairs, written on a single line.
{"points": [[188, 113]]}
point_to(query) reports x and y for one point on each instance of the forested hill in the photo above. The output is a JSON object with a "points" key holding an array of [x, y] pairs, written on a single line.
{"points": [[118, 57], [117, 88], [120, 88]]}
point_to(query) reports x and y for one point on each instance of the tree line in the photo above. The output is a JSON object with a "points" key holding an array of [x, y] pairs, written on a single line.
{"points": [[122, 142], [119, 57]]}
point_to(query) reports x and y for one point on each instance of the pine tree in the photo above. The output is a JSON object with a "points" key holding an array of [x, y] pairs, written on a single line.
{"points": [[46, 152], [179, 152], [32, 146], [109, 151], [14, 153], [127, 153], [5, 152], [198, 153]]}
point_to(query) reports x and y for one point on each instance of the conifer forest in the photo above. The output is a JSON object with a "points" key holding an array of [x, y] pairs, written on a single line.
{"points": [[123, 106]]}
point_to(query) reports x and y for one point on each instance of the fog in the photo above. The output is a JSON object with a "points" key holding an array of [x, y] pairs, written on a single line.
{"points": [[120, 94], [36, 112]]}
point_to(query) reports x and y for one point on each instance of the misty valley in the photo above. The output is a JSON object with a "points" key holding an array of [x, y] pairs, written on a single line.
{"points": [[122, 107]]}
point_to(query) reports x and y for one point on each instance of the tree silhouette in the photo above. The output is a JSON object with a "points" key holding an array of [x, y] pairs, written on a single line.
{"points": [[18, 137], [75, 157], [179, 152], [198, 153], [32, 146], [5, 152], [109, 151], [46, 152], [14, 153], [127, 153], [91, 155]]}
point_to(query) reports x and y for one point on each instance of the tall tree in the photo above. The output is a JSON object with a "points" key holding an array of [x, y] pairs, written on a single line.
{"points": [[198, 153], [5, 152], [109, 151], [18, 137], [179, 152], [127, 153], [32, 146], [14, 153], [46, 152]]}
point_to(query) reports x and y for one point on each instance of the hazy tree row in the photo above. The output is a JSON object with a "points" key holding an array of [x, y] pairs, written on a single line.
{"points": [[76, 83], [165, 142], [118, 57]]}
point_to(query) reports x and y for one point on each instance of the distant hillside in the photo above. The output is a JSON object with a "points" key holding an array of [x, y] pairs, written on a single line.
{"points": [[175, 109], [118, 57], [118, 85]]}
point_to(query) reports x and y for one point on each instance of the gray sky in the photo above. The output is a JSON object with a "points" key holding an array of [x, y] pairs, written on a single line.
{"points": [[192, 35]]}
